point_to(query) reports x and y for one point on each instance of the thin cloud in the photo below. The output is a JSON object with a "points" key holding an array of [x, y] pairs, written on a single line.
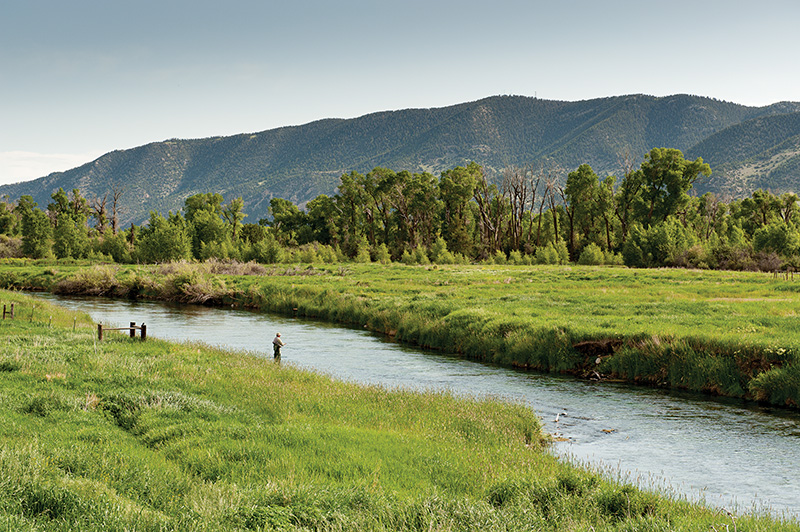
{"points": [[18, 166]]}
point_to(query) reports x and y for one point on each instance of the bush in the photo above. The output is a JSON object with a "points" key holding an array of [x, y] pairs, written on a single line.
{"points": [[382, 254], [420, 256], [591, 255], [547, 255], [267, 251], [563, 252], [10, 247]]}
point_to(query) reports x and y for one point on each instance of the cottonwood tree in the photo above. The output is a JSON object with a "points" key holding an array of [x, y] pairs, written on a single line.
{"points": [[416, 207], [234, 214], [579, 199], [164, 240], [666, 178], [36, 229], [516, 191], [377, 186], [350, 202], [456, 188], [490, 216]]}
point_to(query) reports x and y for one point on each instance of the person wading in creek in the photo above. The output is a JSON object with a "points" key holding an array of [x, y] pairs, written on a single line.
{"points": [[277, 343]]}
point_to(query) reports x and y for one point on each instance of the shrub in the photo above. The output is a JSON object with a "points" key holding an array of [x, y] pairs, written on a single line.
{"points": [[420, 256], [547, 255], [10, 247], [382, 254], [591, 255], [563, 252], [267, 251]]}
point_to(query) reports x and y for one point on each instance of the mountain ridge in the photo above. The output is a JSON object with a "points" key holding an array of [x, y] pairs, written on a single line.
{"points": [[301, 161]]}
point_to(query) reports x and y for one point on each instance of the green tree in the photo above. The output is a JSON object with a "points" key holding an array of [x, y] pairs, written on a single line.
{"points": [[208, 234], [164, 240], [117, 246], [36, 230], [234, 213], [9, 223], [777, 237], [69, 237], [350, 202], [376, 186], [666, 178], [323, 219], [456, 188], [209, 202], [580, 204], [287, 221], [416, 208]]}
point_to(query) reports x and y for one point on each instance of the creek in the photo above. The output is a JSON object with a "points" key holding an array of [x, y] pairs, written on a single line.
{"points": [[729, 453]]}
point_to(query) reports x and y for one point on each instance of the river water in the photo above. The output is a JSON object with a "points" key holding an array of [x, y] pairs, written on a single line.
{"points": [[732, 455]]}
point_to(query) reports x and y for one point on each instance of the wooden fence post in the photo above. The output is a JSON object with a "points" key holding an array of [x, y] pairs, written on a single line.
{"points": [[99, 331], [144, 332], [133, 330]]}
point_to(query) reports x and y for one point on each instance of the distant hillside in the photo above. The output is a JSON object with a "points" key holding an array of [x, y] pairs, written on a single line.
{"points": [[760, 153], [300, 162]]}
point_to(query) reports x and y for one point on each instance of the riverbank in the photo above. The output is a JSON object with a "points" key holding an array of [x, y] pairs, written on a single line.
{"points": [[725, 333], [121, 434]]}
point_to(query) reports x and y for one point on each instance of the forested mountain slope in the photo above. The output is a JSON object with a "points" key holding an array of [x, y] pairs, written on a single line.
{"points": [[300, 162], [759, 153]]}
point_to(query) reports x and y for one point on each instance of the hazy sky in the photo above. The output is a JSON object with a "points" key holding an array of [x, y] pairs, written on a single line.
{"points": [[80, 78]]}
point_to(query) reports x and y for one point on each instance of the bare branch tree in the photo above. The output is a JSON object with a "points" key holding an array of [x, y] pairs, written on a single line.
{"points": [[100, 214], [116, 195], [515, 190]]}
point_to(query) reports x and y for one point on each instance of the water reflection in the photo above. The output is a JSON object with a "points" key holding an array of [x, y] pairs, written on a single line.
{"points": [[728, 452]]}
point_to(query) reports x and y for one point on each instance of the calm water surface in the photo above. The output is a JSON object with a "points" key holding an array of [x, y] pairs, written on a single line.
{"points": [[725, 452]]}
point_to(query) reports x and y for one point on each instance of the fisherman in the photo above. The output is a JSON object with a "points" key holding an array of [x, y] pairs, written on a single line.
{"points": [[277, 343]]}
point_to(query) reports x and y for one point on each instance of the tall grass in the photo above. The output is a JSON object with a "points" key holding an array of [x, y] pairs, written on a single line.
{"points": [[126, 435]]}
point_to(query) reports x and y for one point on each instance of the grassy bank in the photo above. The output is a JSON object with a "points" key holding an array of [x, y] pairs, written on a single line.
{"points": [[125, 435], [728, 333]]}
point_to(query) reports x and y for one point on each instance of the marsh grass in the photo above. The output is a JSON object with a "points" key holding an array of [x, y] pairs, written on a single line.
{"points": [[125, 435]]}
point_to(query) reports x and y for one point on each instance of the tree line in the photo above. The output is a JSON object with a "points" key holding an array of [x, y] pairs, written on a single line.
{"points": [[645, 217]]}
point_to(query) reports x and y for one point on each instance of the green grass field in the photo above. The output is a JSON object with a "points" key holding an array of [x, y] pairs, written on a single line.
{"points": [[726, 333], [130, 435]]}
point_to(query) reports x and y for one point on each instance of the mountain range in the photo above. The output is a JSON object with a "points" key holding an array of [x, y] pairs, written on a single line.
{"points": [[747, 147]]}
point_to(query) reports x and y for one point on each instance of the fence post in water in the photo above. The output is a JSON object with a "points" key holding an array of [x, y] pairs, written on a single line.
{"points": [[99, 331], [144, 332], [133, 330]]}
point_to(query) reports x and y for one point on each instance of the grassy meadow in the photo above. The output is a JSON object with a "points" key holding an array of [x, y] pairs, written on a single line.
{"points": [[130, 435], [727, 333]]}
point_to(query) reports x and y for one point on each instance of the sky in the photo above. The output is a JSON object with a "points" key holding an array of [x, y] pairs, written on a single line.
{"points": [[81, 78]]}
